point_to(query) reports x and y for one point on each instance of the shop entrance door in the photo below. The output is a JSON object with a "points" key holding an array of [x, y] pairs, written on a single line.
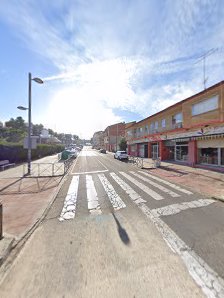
{"points": [[146, 150], [181, 152], [155, 151]]}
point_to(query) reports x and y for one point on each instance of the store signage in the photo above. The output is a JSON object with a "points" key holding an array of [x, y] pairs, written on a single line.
{"points": [[210, 130]]}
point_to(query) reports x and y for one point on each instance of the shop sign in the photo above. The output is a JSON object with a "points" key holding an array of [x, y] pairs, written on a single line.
{"points": [[201, 132]]}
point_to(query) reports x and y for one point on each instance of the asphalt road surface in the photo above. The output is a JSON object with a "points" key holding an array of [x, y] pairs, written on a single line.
{"points": [[117, 231]]}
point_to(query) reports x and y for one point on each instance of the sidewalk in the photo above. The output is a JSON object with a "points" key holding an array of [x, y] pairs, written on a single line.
{"points": [[209, 183], [24, 201]]}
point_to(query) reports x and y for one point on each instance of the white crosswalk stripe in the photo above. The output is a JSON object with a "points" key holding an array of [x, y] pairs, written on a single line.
{"points": [[167, 183], [130, 191], [92, 198], [68, 211], [143, 187], [177, 208], [114, 198], [164, 189], [70, 204]]}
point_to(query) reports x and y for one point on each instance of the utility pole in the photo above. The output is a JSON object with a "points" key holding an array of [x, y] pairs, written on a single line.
{"points": [[203, 58]]}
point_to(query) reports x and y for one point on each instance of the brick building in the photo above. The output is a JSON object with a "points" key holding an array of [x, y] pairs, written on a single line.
{"points": [[190, 131], [113, 135]]}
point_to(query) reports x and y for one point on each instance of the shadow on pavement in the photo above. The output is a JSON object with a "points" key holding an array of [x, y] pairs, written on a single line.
{"points": [[28, 185], [122, 233], [167, 168]]}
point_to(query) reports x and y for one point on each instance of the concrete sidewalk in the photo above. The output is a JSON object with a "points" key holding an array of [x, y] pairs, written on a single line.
{"points": [[207, 182], [25, 201]]}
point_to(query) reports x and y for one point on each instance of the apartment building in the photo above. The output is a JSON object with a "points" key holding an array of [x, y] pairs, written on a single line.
{"points": [[190, 131], [113, 135]]}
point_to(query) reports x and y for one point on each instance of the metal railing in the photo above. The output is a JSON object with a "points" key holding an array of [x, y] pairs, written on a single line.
{"points": [[48, 169], [138, 161], [141, 162]]}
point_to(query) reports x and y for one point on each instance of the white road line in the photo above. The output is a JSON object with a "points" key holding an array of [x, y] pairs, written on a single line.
{"points": [[93, 172], [102, 164], [167, 183], [68, 211], [130, 191], [143, 187], [114, 198], [176, 208], [93, 203], [164, 189], [209, 281]]}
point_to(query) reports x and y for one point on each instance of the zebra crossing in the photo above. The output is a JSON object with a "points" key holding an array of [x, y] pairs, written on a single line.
{"points": [[127, 183]]}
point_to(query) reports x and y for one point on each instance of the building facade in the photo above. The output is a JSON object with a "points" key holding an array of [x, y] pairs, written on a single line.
{"points": [[98, 140], [190, 131], [113, 135]]}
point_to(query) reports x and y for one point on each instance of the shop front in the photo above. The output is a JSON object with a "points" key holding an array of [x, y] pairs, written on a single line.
{"points": [[177, 150], [211, 152], [143, 150]]}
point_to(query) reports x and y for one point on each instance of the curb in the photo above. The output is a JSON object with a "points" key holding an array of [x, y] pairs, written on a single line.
{"points": [[218, 199], [9, 244], [5, 248]]}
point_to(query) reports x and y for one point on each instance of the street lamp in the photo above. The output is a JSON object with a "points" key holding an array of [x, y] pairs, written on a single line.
{"points": [[39, 81]]}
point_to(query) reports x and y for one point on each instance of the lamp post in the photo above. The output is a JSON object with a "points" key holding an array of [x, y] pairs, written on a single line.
{"points": [[39, 81]]}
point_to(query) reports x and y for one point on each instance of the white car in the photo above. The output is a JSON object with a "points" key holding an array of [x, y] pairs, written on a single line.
{"points": [[121, 155]]}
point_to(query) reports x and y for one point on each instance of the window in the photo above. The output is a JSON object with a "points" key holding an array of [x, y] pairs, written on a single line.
{"points": [[156, 125], [177, 120], [152, 126], [146, 129], [205, 106], [163, 123]]}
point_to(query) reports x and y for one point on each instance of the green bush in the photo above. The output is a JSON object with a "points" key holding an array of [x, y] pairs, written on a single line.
{"points": [[15, 152]]}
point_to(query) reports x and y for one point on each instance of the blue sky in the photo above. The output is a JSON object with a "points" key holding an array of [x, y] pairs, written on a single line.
{"points": [[106, 61]]}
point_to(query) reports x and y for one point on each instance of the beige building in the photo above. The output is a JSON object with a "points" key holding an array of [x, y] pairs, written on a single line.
{"points": [[190, 131]]}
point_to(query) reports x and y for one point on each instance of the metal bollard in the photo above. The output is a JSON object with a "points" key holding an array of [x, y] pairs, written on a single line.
{"points": [[1, 220]]}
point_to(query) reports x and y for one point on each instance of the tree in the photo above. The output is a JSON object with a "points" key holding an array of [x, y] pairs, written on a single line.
{"points": [[17, 123], [123, 144], [37, 128]]}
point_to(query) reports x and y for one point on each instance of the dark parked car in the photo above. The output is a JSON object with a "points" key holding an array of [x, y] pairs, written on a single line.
{"points": [[103, 151]]}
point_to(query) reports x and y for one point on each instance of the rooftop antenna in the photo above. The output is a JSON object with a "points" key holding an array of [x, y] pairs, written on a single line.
{"points": [[203, 58]]}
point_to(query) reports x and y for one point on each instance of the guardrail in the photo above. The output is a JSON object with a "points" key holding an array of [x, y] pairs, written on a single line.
{"points": [[138, 161], [48, 169], [141, 162]]}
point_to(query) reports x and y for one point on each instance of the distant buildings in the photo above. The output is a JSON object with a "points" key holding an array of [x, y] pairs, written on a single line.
{"points": [[98, 140], [113, 135]]}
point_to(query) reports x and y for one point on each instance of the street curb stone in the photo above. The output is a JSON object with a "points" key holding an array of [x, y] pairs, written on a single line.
{"points": [[5, 248]]}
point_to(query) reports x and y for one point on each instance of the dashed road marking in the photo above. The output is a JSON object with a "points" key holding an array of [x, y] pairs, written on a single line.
{"points": [[143, 187]]}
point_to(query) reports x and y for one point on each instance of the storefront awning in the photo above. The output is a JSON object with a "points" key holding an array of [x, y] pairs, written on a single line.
{"points": [[208, 137]]}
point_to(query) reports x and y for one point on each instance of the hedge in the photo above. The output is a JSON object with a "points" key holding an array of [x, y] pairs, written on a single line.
{"points": [[15, 152]]}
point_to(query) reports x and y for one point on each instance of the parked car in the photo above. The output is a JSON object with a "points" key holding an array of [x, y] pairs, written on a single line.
{"points": [[103, 151], [121, 155]]}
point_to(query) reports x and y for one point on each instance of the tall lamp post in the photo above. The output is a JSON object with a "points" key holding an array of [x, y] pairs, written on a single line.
{"points": [[39, 81]]}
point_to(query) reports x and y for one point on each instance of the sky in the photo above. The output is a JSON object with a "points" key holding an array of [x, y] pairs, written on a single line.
{"points": [[105, 62]]}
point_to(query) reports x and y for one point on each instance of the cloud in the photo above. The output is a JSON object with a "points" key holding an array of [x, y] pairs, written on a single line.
{"points": [[131, 55]]}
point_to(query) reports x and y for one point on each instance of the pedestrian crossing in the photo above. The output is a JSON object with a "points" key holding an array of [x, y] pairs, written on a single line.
{"points": [[122, 188]]}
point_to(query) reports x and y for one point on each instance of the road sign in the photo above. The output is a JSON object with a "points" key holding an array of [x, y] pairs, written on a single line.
{"points": [[33, 143]]}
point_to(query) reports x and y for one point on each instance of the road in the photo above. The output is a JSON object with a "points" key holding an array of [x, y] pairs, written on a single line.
{"points": [[117, 231]]}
